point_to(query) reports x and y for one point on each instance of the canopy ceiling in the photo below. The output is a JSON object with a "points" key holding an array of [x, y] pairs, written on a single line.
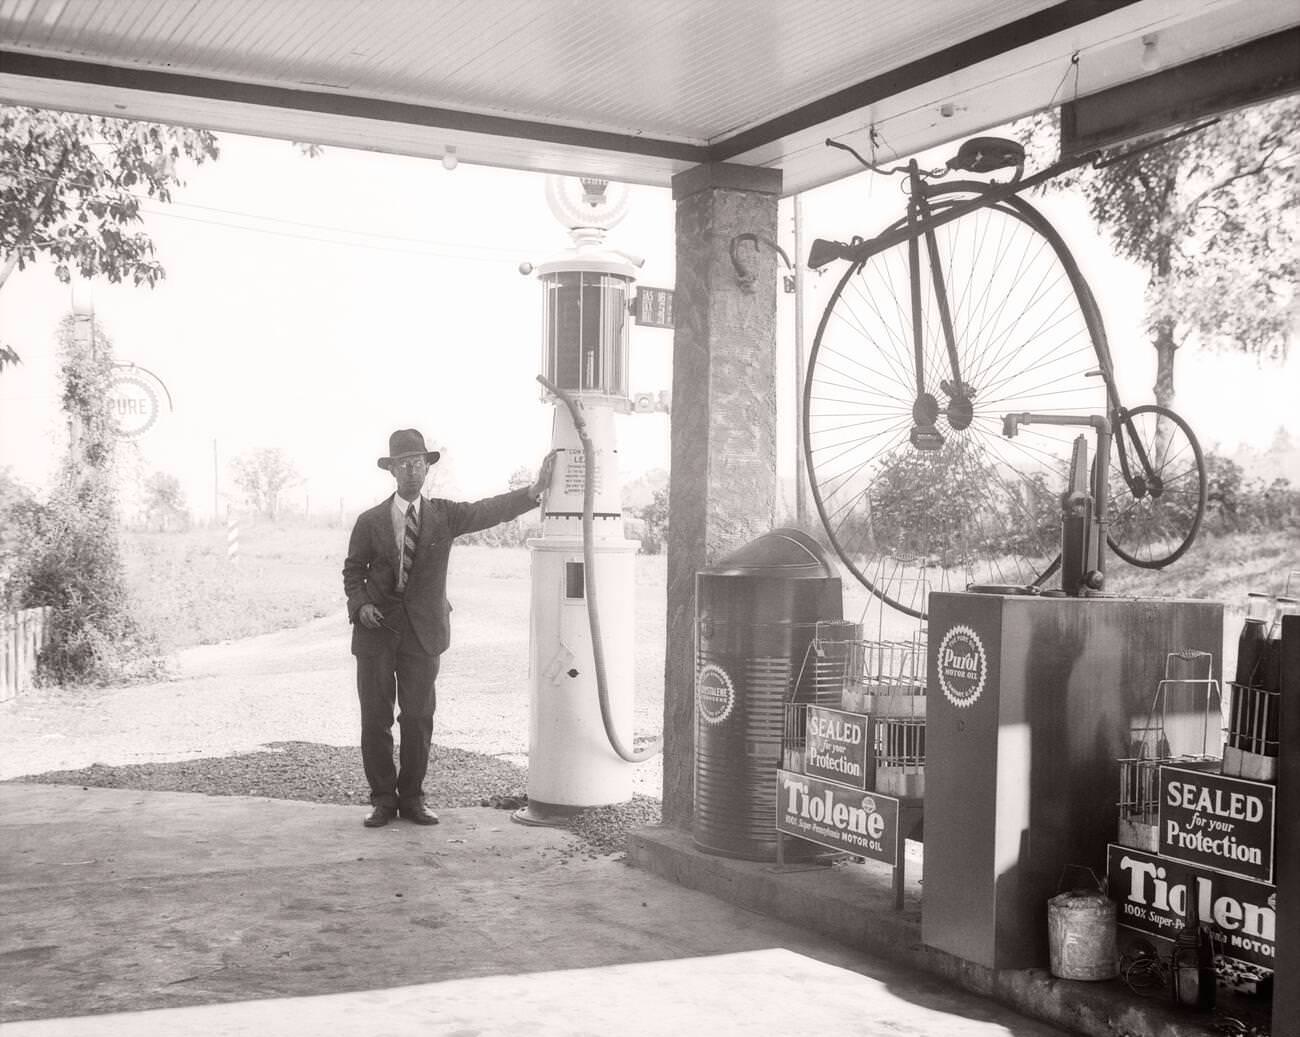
{"points": [[633, 90]]}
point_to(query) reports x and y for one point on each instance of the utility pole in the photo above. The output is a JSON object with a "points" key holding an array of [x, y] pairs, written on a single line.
{"points": [[83, 331], [800, 504]]}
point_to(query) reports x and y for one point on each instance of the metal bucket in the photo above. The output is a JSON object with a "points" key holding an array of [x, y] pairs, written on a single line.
{"points": [[757, 612], [1081, 934]]}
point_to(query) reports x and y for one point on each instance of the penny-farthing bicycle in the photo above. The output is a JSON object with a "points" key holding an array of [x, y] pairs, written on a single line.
{"points": [[968, 308]]}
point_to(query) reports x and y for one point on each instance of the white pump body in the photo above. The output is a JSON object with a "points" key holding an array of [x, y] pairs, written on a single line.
{"points": [[571, 763]]}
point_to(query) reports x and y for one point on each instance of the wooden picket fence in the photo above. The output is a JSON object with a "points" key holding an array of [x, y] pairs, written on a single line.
{"points": [[22, 636]]}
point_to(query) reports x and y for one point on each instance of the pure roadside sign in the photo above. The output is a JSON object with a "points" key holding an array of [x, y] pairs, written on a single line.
{"points": [[134, 400], [132, 404]]}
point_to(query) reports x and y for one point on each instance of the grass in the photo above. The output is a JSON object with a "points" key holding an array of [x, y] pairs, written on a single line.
{"points": [[188, 592]]}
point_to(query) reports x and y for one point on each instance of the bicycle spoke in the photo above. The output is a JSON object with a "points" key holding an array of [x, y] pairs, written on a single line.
{"points": [[910, 509]]}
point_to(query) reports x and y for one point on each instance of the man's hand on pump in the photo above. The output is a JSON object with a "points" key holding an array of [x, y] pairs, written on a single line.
{"points": [[544, 473]]}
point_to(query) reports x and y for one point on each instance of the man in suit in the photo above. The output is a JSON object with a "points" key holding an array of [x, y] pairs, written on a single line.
{"points": [[395, 578]]}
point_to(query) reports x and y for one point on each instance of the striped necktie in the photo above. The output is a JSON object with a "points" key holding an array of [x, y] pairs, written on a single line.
{"points": [[409, 539]]}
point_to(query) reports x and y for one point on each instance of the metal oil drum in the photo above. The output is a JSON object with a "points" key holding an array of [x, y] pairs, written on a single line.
{"points": [[757, 613]]}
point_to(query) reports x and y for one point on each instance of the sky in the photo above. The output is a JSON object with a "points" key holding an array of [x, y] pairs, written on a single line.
{"points": [[317, 304]]}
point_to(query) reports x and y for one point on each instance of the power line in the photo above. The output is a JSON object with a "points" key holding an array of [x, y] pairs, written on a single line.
{"points": [[431, 252], [506, 253], [339, 230]]}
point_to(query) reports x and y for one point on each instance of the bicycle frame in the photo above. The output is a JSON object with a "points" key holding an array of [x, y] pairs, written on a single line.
{"points": [[1152, 483], [921, 221], [1141, 476], [1120, 423], [963, 356]]}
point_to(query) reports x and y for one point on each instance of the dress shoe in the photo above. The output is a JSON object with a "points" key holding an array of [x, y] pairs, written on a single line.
{"points": [[379, 817], [417, 813]]}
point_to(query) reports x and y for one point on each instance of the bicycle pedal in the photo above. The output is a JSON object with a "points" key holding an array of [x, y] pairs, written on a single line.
{"points": [[926, 438]]}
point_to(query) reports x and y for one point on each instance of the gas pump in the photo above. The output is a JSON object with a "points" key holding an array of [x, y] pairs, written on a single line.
{"points": [[583, 576]]}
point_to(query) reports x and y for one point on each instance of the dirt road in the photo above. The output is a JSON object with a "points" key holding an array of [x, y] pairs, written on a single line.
{"points": [[292, 685]]}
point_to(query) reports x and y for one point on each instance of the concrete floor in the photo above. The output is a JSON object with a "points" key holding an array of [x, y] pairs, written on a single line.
{"points": [[132, 913]]}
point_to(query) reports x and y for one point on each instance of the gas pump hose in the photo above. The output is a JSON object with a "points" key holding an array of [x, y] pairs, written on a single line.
{"points": [[589, 580]]}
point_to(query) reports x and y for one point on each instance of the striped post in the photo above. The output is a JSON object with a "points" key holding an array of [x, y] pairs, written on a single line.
{"points": [[232, 539]]}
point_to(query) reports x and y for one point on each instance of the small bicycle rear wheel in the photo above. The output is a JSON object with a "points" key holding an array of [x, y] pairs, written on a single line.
{"points": [[1154, 512], [960, 503]]}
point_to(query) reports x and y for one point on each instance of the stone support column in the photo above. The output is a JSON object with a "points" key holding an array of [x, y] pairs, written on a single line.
{"points": [[723, 486]]}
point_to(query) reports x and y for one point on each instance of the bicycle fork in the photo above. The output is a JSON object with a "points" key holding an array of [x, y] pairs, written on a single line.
{"points": [[1084, 504], [925, 410]]}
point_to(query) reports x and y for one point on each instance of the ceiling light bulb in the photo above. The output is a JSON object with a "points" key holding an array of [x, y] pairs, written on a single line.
{"points": [[1150, 54], [449, 158]]}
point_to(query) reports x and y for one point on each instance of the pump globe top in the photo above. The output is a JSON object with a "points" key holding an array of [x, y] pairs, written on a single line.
{"points": [[586, 201]]}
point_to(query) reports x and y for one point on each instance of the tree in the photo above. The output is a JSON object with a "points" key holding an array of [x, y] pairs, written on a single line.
{"points": [[164, 501], [71, 187], [163, 490], [19, 513], [1212, 218], [74, 562], [515, 532], [1225, 484], [655, 518], [927, 504], [263, 474]]}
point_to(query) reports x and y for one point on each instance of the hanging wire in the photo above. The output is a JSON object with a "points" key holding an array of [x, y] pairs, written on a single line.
{"points": [[1073, 67]]}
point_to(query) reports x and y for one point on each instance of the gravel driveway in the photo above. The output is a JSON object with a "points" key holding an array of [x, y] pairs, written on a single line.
{"points": [[277, 716]]}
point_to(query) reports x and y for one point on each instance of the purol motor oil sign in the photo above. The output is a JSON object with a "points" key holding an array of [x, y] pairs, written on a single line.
{"points": [[962, 666]]}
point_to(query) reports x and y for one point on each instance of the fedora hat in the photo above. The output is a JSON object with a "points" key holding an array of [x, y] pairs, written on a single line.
{"points": [[404, 443]]}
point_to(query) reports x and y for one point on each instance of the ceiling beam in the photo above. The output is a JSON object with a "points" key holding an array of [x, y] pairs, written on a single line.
{"points": [[1048, 22], [1249, 74], [82, 73], [1058, 18]]}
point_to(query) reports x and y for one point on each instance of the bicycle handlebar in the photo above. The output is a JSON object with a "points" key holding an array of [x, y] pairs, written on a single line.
{"points": [[989, 193]]}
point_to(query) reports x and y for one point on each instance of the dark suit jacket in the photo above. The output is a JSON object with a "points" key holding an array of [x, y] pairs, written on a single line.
{"points": [[370, 570]]}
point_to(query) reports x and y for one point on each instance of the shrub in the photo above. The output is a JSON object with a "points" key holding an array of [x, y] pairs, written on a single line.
{"points": [[72, 559], [654, 518], [1237, 504], [20, 515]]}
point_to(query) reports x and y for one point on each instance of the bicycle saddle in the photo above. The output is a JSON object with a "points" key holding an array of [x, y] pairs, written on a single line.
{"points": [[985, 154]]}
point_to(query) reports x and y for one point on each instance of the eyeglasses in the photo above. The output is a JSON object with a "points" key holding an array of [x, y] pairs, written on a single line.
{"points": [[413, 464]]}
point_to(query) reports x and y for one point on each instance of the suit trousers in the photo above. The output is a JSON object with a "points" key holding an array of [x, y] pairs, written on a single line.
{"points": [[402, 675]]}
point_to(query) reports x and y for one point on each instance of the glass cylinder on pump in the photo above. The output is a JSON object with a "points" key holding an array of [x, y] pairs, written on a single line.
{"points": [[585, 327]]}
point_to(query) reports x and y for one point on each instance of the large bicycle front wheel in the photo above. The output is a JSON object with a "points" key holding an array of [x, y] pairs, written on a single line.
{"points": [[959, 503], [1157, 487]]}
